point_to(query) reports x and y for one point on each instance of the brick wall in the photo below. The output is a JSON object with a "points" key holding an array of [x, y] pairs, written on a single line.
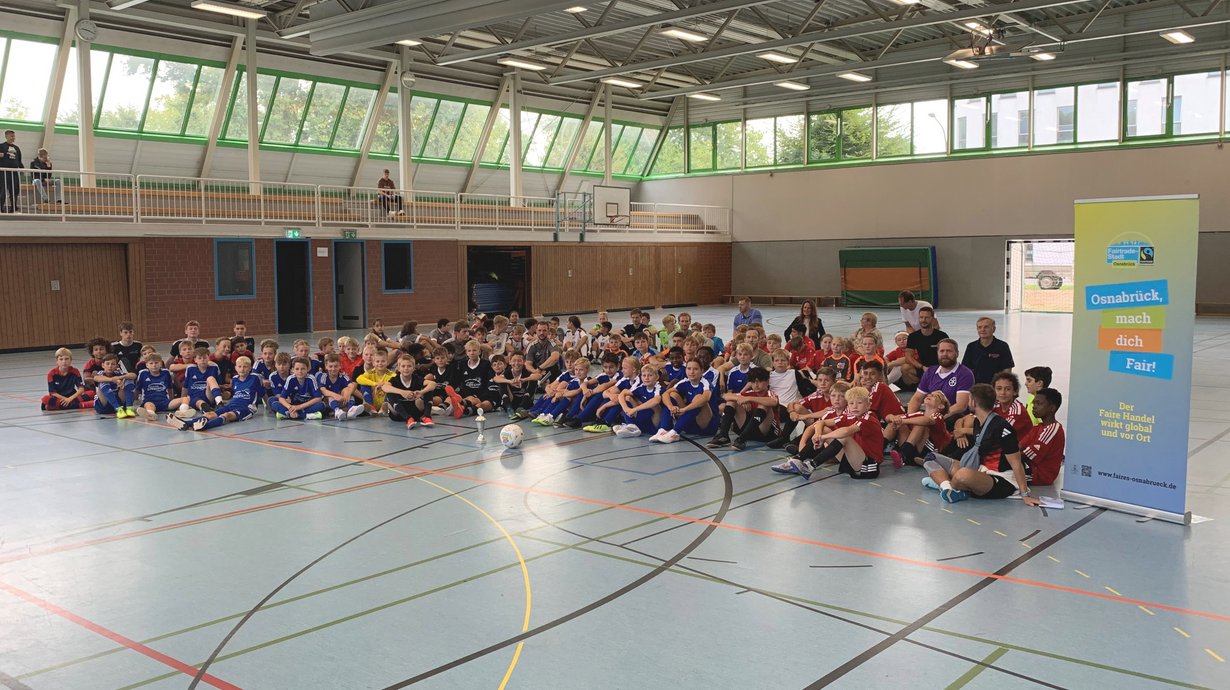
{"points": [[435, 293], [179, 286]]}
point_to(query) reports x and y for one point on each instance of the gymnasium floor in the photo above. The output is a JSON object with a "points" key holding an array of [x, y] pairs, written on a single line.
{"points": [[279, 554]]}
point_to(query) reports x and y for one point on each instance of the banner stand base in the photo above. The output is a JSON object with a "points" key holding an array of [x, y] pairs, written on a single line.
{"points": [[1179, 518]]}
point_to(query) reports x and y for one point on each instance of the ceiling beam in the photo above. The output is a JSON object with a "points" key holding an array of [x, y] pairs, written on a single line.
{"points": [[805, 38], [598, 31]]}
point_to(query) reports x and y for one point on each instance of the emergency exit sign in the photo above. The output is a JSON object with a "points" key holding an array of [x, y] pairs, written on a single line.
{"points": [[292, 233], [350, 234]]}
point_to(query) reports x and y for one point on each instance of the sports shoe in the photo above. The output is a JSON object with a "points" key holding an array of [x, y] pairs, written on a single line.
{"points": [[718, 442], [437, 409], [516, 416], [121, 413], [785, 467], [354, 411], [930, 483], [598, 428], [410, 423], [627, 431], [147, 413], [898, 461], [574, 424], [279, 415], [314, 416], [339, 414], [543, 419], [658, 437], [801, 467], [199, 424], [176, 422], [778, 443], [671, 436], [793, 449], [953, 495], [455, 400], [426, 422], [738, 444]]}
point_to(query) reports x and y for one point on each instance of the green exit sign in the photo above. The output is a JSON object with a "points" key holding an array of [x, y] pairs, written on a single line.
{"points": [[292, 233], [350, 234]]}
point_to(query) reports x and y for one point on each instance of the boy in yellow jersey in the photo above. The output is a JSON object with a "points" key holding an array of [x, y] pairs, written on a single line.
{"points": [[372, 381]]}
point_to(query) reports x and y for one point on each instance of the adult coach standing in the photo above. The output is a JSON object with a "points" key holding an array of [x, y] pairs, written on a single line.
{"points": [[988, 355], [747, 315], [910, 308], [10, 180]]}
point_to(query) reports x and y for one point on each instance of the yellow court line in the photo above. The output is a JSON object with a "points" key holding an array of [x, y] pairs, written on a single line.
{"points": [[901, 493], [1054, 559], [1146, 610], [922, 501], [1112, 590], [1182, 632], [1214, 655], [1000, 533], [873, 483], [525, 574], [1084, 575], [1026, 545], [971, 520], [946, 511]]}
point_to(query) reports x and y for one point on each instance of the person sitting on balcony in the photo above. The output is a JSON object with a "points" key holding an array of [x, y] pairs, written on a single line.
{"points": [[44, 182], [388, 197]]}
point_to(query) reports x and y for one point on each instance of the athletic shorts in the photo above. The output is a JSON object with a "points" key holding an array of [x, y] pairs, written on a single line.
{"points": [[242, 412], [1003, 486], [160, 404]]}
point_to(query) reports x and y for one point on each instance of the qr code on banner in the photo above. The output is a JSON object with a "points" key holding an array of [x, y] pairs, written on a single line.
{"points": [[1086, 471]]}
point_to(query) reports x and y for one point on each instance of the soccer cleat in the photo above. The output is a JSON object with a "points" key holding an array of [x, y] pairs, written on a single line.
{"points": [[930, 483], [314, 416], [597, 428], [543, 419], [801, 467], [410, 424], [672, 436], [176, 422], [437, 409], [574, 424], [785, 467], [627, 431], [199, 424], [426, 422], [516, 416], [339, 414], [354, 411], [455, 400], [658, 437], [953, 495], [898, 461], [738, 444], [279, 415], [777, 443], [718, 442], [792, 449]]}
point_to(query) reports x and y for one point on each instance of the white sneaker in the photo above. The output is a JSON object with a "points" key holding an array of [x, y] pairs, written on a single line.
{"points": [[147, 413], [437, 410], [199, 424], [354, 411], [659, 437], [626, 430], [339, 414], [670, 437]]}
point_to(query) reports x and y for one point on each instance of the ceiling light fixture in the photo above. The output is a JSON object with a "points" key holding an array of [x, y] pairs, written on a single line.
{"points": [[907, 2], [855, 76], [792, 85], [774, 56], [229, 8], [123, 4], [576, 9], [1042, 57], [1178, 37], [409, 42], [963, 64], [522, 63], [683, 34], [620, 81], [702, 96]]}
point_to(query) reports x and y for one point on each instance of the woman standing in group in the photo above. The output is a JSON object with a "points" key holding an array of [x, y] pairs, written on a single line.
{"points": [[807, 323]]}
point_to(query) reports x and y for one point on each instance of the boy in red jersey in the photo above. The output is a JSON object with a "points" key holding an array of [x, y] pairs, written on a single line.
{"points": [[809, 444], [922, 430], [901, 365], [65, 387], [812, 407], [98, 348], [857, 441], [1043, 445], [839, 361], [751, 413]]}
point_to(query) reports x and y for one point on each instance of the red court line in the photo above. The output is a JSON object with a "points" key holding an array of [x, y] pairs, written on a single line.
{"points": [[445, 472], [117, 638]]}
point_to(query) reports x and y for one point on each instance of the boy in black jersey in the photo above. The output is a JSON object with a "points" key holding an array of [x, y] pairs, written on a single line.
{"points": [[470, 379], [406, 395], [443, 396], [127, 349]]}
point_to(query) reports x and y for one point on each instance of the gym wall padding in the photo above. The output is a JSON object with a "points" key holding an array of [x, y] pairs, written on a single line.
{"points": [[873, 276]]}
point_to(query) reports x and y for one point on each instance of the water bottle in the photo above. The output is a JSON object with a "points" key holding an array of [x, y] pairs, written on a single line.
{"points": [[481, 421]]}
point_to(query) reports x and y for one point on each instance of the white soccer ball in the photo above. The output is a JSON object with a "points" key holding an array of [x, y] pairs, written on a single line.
{"points": [[511, 436]]}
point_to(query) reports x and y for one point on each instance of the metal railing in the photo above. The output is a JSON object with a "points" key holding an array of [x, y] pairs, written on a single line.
{"points": [[71, 195]]}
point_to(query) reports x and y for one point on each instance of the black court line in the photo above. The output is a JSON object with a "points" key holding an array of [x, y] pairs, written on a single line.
{"points": [[365, 440], [727, 495], [277, 440], [12, 683], [837, 673], [967, 555], [864, 565], [712, 560], [1027, 536]]}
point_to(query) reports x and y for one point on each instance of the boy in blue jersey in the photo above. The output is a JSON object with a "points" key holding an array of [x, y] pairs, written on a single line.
{"points": [[156, 386], [640, 404], [737, 368], [116, 392], [585, 406], [338, 390], [267, 364], [641, 349], [304, 351], [750, 413], [685, 408], [277, 380], [201, 381], [567, 389], [675, 370], [609, 411], [65, 387], [246, 391], [300, 398]]}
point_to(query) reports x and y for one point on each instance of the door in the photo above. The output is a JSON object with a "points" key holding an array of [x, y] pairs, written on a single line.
{"points": [[294, 285], [349, 286]]}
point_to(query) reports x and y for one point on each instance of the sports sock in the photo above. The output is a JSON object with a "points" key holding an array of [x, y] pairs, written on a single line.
{"points": [[752, 424], [728, 420]]}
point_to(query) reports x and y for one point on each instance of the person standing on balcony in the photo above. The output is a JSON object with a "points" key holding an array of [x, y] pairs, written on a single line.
{"points": [[10, 180], [44, 182], [387, 195]]}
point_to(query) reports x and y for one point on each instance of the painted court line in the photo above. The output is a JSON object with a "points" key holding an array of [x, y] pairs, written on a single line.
{"points": [[116, 637]]}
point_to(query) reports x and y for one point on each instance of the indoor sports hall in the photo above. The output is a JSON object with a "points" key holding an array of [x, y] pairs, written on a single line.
{"points": [[260, 189]]}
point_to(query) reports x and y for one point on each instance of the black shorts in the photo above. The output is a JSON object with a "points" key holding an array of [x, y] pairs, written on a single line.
{"points": [[1002, 489]]}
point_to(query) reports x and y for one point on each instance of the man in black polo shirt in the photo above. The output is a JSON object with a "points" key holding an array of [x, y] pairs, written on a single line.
{"points": [[988, 355], [927, 338]]}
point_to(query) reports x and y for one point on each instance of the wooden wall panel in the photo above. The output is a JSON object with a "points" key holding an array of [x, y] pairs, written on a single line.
{"points": [[92, 299]]}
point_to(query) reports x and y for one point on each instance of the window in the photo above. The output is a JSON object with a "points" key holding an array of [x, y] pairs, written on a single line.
{"points": [[26, 79], [499, 134], [856, 132], [563, 139], [237, 125], [624, 148], [700, 147], [788, 141], [969, 121], [125, 92], [422, 113], [893, 130], [729, 144], [597, 161], [759, 147], [99, 59], [384, 140], [670, 156], [930, 127], [398, 267], [822, 137], [204, 101], [1053, 116], [169, 98], [469, 131], [1097, 112], [1147, 108], [233, 264], [440, 139], [353, 118], [322, 114], [1196, 103], [1009, 120], [539, 143], [640, 157]]}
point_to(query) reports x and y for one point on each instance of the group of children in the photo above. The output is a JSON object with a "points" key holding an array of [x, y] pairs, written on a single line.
{"points": [[825, 402]]}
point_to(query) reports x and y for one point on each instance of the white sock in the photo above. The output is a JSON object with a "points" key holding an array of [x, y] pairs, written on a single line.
{"points": [[945, 485]]}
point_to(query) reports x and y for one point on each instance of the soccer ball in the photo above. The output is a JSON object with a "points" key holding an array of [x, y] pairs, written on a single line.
{"points": [[511, 436]]}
